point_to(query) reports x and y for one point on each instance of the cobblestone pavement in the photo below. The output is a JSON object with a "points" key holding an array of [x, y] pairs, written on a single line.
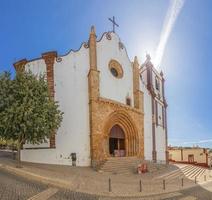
{"points": [[203, 192], [13, 187], [17, 188]]}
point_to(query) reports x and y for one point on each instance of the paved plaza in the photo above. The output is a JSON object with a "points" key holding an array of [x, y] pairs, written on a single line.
{"points": [[65, 182], [13, 187]]}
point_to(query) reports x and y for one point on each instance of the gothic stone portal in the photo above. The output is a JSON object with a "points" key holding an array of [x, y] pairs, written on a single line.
{"points": [[117, 142], [122, 135], [115, 133]]}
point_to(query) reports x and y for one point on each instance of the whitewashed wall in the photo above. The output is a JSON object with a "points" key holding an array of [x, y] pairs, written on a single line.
{"points": [[111, 87], [71, 85], [147, 122], [159, 130], [71, 91], [37, 67], [160, 143], [160, 114]]}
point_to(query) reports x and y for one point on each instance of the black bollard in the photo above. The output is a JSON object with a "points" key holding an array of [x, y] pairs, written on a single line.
{"points": [[110, 185], [164, 184], [182, 182], [140, 186], [195, 180], [204, 177]]}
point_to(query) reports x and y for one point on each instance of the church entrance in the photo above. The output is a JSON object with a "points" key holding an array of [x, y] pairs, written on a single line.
{"points": [[117, 142]]}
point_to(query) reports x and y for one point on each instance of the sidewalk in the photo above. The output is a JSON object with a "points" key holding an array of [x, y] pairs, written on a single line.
{"points": [[85, 179]]}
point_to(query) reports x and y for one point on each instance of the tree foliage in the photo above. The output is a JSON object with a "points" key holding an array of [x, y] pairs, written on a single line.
{"points": [[27, 112]]}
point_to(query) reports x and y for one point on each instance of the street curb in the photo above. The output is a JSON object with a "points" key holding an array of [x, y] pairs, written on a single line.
{"points": [[29, 175], [65, 185]]}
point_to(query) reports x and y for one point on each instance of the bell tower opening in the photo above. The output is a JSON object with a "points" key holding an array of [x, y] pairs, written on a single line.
{"points": [[117, 142]]}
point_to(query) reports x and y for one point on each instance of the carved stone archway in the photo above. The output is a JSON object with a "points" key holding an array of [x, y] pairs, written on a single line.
{"points": [[122, 119]]}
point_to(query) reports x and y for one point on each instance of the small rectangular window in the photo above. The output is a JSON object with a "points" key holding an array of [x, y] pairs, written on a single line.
{"points": [[157, 84], [128, 101]]}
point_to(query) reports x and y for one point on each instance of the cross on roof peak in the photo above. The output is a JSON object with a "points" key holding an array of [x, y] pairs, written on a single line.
{"points": [[114, 23]]}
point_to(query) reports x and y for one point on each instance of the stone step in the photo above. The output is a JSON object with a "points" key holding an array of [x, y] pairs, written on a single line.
{"points": [[197, 172], [126, 165], [189, 171], [202, 173], [193, 172], [120, 165]]}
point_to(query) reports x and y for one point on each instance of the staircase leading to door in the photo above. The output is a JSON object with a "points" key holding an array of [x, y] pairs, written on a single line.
{"points": [[126, 165]]}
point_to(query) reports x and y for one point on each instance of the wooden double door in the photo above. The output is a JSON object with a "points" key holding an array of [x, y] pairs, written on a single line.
{"points": [[117, 142]]}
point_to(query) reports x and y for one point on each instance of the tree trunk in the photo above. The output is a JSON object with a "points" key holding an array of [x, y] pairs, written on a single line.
{"points": [[19, 155]]}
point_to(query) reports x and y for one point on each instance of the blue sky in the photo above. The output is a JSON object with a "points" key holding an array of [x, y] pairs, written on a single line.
{"points": [[29, 28]]}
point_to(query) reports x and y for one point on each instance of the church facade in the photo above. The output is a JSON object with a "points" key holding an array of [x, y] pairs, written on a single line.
{"points": [[112, 106]]}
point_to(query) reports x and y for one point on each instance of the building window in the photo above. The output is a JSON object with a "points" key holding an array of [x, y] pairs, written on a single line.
{"points": [[115, 68], [114, 71], [128, 101], [157, 84]]}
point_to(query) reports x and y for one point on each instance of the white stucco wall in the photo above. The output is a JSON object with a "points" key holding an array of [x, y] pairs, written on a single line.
{"points": [[160, 135], [71, 86], [37, 67], [147, 122], [160, 114], [159, 130], [71, 91], [160, 143], [110, 86]]}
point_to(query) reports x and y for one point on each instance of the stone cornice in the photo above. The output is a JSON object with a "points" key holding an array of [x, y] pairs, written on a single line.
{"points": [[118, 105], [49, 57], [20, 65]]}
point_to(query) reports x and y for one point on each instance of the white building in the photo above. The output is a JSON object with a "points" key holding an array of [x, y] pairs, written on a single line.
{"points": [[112, 106]]}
